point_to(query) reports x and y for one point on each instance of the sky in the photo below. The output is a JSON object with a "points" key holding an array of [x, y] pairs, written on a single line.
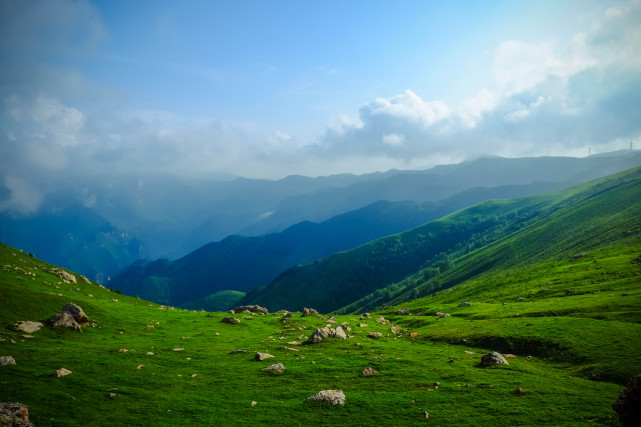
{"points": [[265, 89]]}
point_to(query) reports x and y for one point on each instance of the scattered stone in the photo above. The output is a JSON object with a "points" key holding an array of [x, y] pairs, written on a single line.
{"points": [[251, 309], [332, 319], [194, 375], [276, 368], [26, 326], [7, 360], [577, 256], [293, 343], [414, 334], [62, 372], [112, 395], [320, 334], [427, 414], [374, 334], [177, 349], [369, 371], [287, 315], [230, 320], [139, 366], [362, 325], [420, 313], [469, 352], [520, 299], [365, 316], [394, 329], [85, 279], [150, 353], [14, 414], [237, 351], [289, 348], [403, 312], [114, 300], [509, 356], [493, 358], [382, 320], [259, 357], [210, 315], [450, 361], [335, 397], [520, 391], [628, 405], [66, 277], [309, 312], [439, 314], [254, 403], [465, 304], [71, 316], [123, 350]]}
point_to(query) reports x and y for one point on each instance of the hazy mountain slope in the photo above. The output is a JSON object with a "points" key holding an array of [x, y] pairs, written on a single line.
{"points": [[224, 265], [563, 220]]}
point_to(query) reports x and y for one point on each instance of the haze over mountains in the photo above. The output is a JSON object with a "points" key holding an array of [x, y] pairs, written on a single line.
{"points": [[100, 226]]}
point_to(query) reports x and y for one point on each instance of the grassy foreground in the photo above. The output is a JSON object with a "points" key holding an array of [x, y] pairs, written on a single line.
{"points": [[583, 334]]}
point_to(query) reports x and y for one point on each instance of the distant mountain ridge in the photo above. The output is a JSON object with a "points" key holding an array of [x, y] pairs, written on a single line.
{"points": [[168, 216]]}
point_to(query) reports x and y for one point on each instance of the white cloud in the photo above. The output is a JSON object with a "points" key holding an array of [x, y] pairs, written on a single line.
{"points": [[407, 106], [393, 139], [23, 199]]}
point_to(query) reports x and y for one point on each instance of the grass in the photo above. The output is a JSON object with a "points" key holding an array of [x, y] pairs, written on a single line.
{"points": [[584, 346]]}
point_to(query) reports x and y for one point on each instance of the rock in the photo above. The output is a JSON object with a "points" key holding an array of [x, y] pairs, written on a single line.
{"points": [[237, 351], [374, 334], [465, 304], [150, 353], [403, 312], [320, 334], [394, 329], [382, 320], [577, 256], [14, 414], [276, 368], [140, 366], [520, 391], [628, 405], [26, 326], [254, 403], [66, 277], [520, 299], [365, 316], [286, 315], [177, 349], [309, 312], [123, 350], [493, 358], [210, 315], [62, 372], [332, 319], [259, 357], [251, 309], [414, 334], [71, 316], [7, 360], [369, 371], [509, 356], [439, 314], [335, 397], [230, 320]]}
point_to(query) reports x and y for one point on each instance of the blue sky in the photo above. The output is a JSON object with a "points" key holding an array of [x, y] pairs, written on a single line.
{"points": [[271, 88]]}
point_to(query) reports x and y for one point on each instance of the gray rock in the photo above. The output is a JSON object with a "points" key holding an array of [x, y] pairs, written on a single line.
{"points": [[71, 316], [276, 368], [365, 316], [464, 304], [14, 414], [403, 312], [259, 357], [320, 334], [62, 372], [493, 358], [66, 277], [26, 326], [230, 320], [237, 351], [7, 360], [309, 312], [335, 397], [251, 309]]}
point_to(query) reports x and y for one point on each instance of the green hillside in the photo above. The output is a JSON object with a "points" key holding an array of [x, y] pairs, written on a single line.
{"points": [[583, 345], [447, 251]]}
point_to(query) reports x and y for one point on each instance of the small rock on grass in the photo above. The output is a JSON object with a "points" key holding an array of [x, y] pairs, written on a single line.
{"points": [[335, 397], [493, 358], [62, 372], [15, 414], [369, 371], [261, 356], [7, 360], [277, 368]]}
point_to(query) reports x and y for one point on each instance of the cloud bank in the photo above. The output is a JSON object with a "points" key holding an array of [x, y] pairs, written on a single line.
{"points": [[545, 98]]}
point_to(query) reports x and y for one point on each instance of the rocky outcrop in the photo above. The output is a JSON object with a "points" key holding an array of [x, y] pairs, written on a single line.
{"points": [[309, 312], [14, 414], [26, 326], [320, 334], [66, 277], [335, 397], [493, 358], [71, 316], [7, 360], [251, 309], [628, 405]]}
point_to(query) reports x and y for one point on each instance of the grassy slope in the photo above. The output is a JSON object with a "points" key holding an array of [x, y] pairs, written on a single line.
{"points": [[521, 229], [164, 392]]}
